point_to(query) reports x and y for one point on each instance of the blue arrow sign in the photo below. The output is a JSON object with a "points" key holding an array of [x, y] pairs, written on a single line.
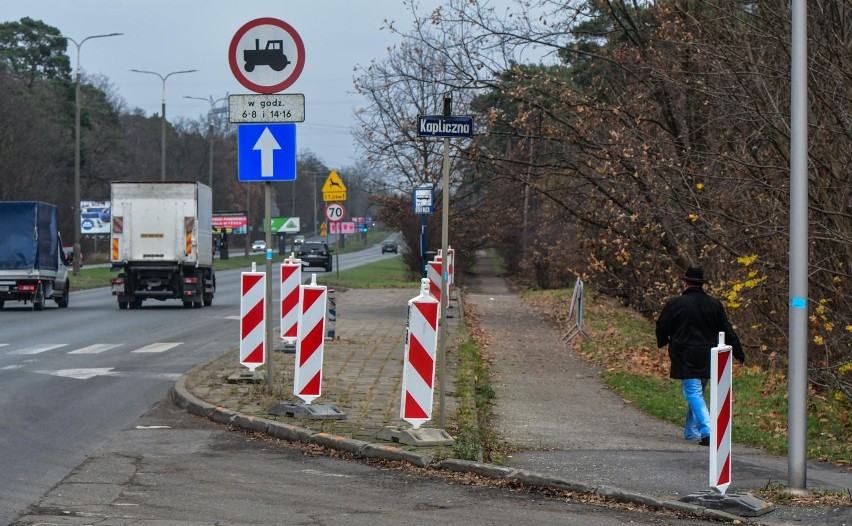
{"points": [[266, 152]]}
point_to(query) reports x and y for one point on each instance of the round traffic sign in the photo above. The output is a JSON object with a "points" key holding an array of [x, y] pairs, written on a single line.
{"points": [[334, 211], [266, 55]]}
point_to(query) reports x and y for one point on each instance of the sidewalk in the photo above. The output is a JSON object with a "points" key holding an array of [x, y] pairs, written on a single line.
{"points": [[570, 432]]}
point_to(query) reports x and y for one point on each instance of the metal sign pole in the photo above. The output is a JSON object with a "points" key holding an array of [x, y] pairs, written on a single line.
{"points": [[267, 220], [445, 229]]}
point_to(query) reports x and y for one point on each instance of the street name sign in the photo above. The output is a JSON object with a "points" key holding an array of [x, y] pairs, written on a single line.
{"points": [[262, 108], [444, 126], [266, 152]]}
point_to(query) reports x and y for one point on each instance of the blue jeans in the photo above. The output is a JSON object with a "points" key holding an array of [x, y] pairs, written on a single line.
{"points": [[697, 423]]}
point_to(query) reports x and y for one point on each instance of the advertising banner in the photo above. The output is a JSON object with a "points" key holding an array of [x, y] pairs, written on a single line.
{"points": [[94, 217]]}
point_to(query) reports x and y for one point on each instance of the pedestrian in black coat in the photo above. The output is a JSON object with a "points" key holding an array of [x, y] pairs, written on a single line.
{"points": [[690, 325]]}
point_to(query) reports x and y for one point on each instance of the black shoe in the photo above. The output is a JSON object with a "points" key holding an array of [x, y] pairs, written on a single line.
{"points": [[705, 441]]}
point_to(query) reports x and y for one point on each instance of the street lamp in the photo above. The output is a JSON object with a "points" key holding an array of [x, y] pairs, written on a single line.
{"points": [[163, 145], [210, 123], [76, 207]]}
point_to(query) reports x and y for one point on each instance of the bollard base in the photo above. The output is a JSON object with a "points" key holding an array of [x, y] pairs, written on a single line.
{"points": [[422, 437], [309, 411], [289, 348], [742, 504], [248, 377]]}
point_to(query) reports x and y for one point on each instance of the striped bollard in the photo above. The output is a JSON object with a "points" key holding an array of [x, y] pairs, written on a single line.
{"points": [[252, 319], [291, 278], [307, 380], [433, 274], [418, 375], [721, 403]]}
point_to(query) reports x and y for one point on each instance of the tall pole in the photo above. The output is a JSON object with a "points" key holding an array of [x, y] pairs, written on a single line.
{"points": [[445, 234], [797, 386], [163, 78], [209, 131], [267, 226], [76, 205]]}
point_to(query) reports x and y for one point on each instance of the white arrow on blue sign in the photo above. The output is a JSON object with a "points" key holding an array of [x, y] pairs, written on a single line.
{"points": [[266, 152]]}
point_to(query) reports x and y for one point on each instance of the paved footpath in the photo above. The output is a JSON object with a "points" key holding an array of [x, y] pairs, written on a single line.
{"points": [[554, 409], [567, 429]]}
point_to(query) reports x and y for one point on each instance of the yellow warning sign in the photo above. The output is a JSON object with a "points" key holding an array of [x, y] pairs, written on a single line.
{"points": [[333, 189], [323, 229]]}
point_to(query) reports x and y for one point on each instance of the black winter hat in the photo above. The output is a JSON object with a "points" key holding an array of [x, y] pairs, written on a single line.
{"points": [[695, 275]]}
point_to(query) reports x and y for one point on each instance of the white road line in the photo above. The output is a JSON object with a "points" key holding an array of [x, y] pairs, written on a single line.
{"points": [[158, 347], [37, 349], [96, 348], [81, 374], [3, 344]]}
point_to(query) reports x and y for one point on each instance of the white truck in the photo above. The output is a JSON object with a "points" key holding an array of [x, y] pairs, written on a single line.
{"points": [[161, 242], [33, 267]]}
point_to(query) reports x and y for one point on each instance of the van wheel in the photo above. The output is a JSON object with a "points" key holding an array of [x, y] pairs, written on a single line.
{"points": [[63, 301], [122, 304], [38, 298], [187, 304]]}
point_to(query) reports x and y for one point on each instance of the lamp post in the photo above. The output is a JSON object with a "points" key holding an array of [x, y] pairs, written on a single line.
{"points": [[76, 207], [163, 111], [210, 124]]}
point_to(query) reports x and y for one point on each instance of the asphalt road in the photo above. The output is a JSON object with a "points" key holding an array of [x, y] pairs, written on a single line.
{"points": [[71, 379], [169, 467]]}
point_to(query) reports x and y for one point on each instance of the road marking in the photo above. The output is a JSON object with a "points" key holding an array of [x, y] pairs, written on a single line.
{"points": [[81, 374], [3, 344], [153, 427], [96, 348], [158, 347], [37, 349]]}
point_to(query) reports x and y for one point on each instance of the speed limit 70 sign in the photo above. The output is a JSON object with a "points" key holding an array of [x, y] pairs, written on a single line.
{"points": [[334, 211]]}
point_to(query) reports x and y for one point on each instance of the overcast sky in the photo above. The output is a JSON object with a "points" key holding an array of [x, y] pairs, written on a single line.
{"points": [[173, 35]]}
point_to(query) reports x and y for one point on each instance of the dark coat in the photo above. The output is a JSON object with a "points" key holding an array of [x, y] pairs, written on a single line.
{"points": [[690, 325]]}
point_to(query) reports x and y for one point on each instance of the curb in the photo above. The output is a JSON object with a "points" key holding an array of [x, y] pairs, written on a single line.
{"points": [[360, 448]]}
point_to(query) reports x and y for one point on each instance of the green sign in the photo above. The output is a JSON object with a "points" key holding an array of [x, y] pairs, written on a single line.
{"points": [[283, 225]]}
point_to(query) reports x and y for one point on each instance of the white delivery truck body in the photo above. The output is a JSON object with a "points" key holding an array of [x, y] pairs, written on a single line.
{"points": [[161, 241]]}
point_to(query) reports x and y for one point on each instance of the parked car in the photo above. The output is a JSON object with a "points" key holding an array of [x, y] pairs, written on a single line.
{"points": [[258, 245], [315, 254], [390, 246]]}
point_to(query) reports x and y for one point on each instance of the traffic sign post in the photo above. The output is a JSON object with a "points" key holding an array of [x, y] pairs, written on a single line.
{"points": [[447, 126], [266, 55]]}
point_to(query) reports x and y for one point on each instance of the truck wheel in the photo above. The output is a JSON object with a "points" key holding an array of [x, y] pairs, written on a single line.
{"points": [[2, 302], [135, 304], [187, 304], [122, 304], [63, 301], [208, 300], [38, 298]]}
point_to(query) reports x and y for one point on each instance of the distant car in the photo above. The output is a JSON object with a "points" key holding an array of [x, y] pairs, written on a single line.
{"points": [[258, 245], [298, 240], [315, 255], [390, 246], [69, 255]]}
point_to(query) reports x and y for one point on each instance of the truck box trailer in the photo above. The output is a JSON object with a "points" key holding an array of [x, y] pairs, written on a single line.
{"points": [[32, 263], [161, 242]]}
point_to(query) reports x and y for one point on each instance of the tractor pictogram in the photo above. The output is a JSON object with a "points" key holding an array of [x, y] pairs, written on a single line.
{"points": [[272, 56]]}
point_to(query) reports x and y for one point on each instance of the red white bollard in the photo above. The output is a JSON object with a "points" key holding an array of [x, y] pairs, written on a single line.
{"points": [[433, 274], [418, 375], [307, 380], [291, 278], [252, 319], [721, 405]]}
